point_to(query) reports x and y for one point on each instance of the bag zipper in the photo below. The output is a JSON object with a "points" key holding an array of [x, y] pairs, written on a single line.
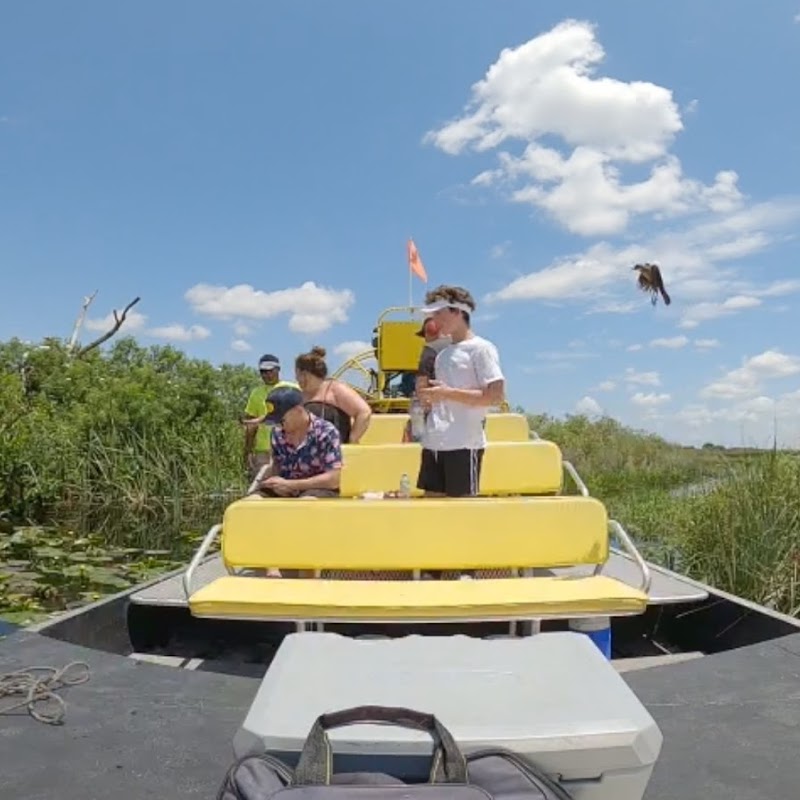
{"points": [[538, 777]]}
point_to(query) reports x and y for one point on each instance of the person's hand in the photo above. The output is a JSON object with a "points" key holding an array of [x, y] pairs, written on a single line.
{"points": [[281, 486], [434, 392]]}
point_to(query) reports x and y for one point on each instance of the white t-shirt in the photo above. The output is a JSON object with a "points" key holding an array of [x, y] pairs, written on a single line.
{"points": [[471, 364]]}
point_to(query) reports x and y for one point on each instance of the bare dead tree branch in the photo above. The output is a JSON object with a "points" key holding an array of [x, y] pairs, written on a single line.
{"points": [[73, 340], [119, 319]]}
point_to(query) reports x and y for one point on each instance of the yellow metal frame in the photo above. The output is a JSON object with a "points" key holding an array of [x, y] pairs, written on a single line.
{"points": [[398, 351]]}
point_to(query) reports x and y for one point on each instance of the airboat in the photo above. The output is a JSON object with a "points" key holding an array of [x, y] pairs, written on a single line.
{"points": [[622, 679]]}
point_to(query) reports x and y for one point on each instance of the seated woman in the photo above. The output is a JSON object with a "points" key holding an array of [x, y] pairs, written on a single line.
{"points": [[329, 399]]}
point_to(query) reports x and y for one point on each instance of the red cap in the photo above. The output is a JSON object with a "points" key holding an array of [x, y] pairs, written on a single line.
{"points": [[429, 328]]}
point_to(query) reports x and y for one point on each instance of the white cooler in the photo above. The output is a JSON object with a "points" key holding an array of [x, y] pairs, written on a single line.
{"points": [[552, 697]]}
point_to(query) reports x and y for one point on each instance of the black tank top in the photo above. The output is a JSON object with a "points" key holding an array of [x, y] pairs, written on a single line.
{"points": [[334, 415]]}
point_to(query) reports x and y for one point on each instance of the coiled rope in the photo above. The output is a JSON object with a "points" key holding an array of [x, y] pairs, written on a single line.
{"points": [[39, 691]]}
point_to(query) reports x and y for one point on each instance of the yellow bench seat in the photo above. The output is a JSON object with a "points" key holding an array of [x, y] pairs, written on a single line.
{"points": [[430, 533], [509, 468], [239, 597], [448, 534], [507, 427]]}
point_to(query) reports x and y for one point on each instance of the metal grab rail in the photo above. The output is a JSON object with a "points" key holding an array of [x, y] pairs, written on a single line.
{"points": [[578, 481], [199, 555], [630, 548], [259, 475]]}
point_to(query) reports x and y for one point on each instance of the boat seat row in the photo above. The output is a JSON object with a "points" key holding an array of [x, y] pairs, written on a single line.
{"points": [[499, 427], [508, 468], [519, 523]]}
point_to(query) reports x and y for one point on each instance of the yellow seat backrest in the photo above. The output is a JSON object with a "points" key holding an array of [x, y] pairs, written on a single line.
{"points": [[399, 348], [446, 533], [378, 468], [507, 428], [385, 429], [530, 467]]}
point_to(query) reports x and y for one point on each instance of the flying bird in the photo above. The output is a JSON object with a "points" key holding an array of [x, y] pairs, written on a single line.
{"points": [[650, 281]]}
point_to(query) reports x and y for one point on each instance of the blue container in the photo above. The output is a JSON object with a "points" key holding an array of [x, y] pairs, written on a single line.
{"points": [[598, 629]]}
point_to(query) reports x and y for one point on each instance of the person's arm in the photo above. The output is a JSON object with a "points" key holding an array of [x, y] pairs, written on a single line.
{"points": [[274, 466], [327, 480], [351, 402], [490, 377], [251, 412], [491, 395], [331, 449], [426, 371]]}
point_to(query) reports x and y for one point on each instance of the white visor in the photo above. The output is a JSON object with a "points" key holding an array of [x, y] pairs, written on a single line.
{"points": [[438, 306], [268, 365]]}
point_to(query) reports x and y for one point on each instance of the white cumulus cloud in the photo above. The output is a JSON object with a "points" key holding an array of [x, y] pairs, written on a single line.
{"points": [[589, 407], [703, 312], [546, 93], [670, 343], [600, 277], [748, 380], [650, 400], [241, 346], [134, 321], [310, 308], [636, 378], [605, 386], [179, 333], [749, 421], [352, 348]]}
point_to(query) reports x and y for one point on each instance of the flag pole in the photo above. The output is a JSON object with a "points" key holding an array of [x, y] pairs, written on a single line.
{"points": [[410, 287]]}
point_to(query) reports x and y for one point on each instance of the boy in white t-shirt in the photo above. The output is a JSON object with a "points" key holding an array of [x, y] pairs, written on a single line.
{"points": [[468, 381]]}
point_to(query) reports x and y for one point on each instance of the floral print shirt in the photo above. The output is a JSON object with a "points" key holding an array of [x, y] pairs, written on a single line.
{"points": [[319, 452]]}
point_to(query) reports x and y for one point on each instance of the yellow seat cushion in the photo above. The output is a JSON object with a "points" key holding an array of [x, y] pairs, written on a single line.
{"points": [[385, 429], [373, 601], [507, 428], [529, 467], [378, 468], [432, 533]]}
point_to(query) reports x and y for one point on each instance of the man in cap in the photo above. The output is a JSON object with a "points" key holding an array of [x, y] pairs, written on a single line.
{"points": [[256, 437], [468, 382], [435, 342], [306, 450]]}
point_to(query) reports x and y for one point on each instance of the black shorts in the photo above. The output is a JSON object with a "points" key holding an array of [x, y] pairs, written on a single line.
{"points": [[455, 473]]}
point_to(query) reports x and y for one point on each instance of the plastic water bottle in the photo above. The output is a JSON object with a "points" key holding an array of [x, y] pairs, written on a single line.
{"points": [[417, 414], [405, 486]]}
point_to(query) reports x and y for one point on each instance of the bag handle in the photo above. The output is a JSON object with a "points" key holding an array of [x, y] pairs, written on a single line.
{"points": [[315, 765]]}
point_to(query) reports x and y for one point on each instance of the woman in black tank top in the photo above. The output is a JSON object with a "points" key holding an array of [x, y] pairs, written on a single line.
{"points": [[333, 414], [331, 400]]}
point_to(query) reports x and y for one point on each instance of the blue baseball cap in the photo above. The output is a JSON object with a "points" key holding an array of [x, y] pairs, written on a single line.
{"points": [[282, 400]]}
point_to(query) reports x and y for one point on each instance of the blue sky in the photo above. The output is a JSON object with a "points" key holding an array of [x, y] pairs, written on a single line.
{"points": [[253, 170]]}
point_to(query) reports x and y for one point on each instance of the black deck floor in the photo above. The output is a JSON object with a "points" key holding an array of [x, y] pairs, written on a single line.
{"points": [[731, 725]]}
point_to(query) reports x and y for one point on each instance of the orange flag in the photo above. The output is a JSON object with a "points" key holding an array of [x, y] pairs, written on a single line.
{"points": [[415, 262]]}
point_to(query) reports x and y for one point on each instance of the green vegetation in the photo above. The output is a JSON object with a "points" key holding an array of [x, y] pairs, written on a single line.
{"points": [[739, 531], [112, 466]]}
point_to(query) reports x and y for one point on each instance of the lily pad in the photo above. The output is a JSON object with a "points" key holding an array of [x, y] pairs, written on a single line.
{"points": [[105, 577], [48, 552]]}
